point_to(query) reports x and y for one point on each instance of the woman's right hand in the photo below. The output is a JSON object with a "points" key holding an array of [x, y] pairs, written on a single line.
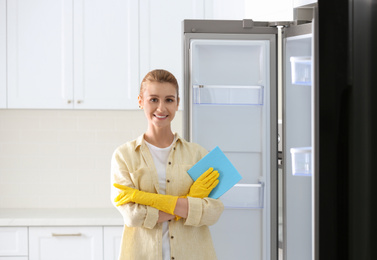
{"points": [[203, 186]]}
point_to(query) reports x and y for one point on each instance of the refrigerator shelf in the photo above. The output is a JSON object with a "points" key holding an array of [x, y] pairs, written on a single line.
{"points": [[301, 70], [301, 161], [227, 95], [244, 196]]}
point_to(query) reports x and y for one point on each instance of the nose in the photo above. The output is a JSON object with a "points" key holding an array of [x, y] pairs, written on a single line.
{"points": [[161, 106]]}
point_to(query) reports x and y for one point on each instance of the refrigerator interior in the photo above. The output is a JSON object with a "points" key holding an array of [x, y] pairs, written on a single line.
{"points": [[297, 123], [231, 108]]}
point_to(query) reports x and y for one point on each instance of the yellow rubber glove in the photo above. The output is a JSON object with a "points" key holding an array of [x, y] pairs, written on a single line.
{"points": [[203, 186], [161, 202]]}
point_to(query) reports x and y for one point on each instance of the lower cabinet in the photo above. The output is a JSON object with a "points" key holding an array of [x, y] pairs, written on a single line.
{"points": [[13, 243], [111, 245], [13, 258], [60, 243]]}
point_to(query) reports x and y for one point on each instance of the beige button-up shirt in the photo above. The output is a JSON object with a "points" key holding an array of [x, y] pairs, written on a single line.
{"points": [[132, 165]]}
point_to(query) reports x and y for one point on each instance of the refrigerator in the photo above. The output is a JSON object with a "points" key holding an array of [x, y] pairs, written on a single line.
{"points": [[238, 74]]}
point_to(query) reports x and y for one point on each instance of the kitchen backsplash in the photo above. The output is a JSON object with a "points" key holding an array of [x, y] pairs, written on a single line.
{"points": [[61, 159]]}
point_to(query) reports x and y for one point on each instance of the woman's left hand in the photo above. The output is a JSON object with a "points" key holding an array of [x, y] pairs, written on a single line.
{"points": [[126, 196], [162, 202]]}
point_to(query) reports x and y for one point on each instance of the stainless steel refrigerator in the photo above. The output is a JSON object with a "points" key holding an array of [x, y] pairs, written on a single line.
{"points": [[232, 71]]}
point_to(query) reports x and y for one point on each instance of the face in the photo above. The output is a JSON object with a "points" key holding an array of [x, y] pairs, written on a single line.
{"points": [[160, 102]]}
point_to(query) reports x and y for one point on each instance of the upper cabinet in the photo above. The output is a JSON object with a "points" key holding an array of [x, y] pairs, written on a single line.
{"points": [[3, 55], [40, 68], [72, 54], [105, 59], [161, 34], [81, 54]]}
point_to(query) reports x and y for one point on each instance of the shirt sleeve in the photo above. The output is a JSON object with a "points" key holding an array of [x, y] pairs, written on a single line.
{"points": [[134, 215], [205, 211]]}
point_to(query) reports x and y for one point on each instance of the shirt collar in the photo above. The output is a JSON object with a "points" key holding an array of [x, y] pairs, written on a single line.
{"points": [[140, 140]]}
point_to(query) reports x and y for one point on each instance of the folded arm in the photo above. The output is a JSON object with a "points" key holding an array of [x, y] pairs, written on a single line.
{"points": [[173, 205]]}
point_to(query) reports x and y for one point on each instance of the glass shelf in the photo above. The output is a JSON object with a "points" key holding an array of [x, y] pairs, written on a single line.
{"points": [[244, 196], [227, 95]]}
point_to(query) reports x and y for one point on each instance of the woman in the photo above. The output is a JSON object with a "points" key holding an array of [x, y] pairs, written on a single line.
{"points": [[159, 226]]}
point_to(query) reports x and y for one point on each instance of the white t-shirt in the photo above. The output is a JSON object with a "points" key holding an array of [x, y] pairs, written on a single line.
{"points": [[160, 159]]}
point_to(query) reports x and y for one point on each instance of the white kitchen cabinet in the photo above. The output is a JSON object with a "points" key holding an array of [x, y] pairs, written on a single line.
{"points": [[62, 243], [225, 9], [13, 242], [105, 59], [112, 240], [39, 35], [72, 54], [161, 34], [3, 55]]}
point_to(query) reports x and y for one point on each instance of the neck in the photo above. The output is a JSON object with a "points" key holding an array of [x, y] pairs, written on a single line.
{"points": [[159, 137]]}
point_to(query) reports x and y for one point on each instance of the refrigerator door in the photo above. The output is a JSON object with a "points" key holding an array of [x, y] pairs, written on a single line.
{"points": [[298, 132], [230, 102]]}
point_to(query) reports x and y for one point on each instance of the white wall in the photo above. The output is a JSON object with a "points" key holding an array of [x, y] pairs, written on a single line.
{"points": [[61, 159], [269, 10]]}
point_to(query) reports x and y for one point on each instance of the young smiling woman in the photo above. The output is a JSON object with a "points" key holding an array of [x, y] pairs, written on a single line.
{"points": [[166, 214], [160, 103]]}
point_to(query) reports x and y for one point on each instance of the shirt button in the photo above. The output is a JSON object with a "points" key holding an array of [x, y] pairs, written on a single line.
{"points": [[172, 237], [172, 258], [169, 163], [167, 181], [174, 148]]}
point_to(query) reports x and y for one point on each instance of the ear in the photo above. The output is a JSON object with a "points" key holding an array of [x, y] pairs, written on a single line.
{"points": [[178, 103], [140, 101]]}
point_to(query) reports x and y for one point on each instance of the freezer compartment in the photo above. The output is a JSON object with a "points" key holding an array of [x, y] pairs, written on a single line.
{"points": [[227, 95], [244, 196], [301, 161]]}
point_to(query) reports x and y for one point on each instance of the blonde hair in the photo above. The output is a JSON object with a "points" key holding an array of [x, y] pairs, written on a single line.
{"points": [[161, 76]]}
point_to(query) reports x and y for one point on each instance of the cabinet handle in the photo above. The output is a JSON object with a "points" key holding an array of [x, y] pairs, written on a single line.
{"points": [[69, 101], [66, 235], [79, 101]]}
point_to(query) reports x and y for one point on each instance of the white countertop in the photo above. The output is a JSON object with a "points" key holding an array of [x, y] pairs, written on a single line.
{"points": [[60, 217]]}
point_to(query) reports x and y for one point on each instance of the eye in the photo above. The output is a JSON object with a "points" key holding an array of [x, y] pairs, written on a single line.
{"points": [[153, 100], [169, 100]]}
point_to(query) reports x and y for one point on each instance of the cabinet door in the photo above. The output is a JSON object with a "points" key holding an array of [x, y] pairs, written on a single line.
{"points": [[112, 239], [161, 34], [39, 53], [62, 243], [106, 69], [3, 55], [13, 241]]}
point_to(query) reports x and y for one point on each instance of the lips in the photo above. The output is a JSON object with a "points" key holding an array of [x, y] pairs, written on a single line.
{"points": [[160, 117]]}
